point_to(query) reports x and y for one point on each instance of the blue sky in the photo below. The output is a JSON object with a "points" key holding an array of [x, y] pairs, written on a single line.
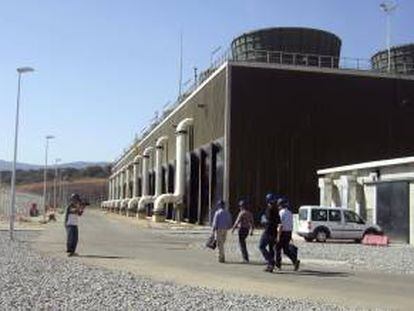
{"points": [[103, 67]]}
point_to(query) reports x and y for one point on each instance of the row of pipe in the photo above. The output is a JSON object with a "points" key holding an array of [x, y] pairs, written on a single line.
{"points": [[121, 200]]}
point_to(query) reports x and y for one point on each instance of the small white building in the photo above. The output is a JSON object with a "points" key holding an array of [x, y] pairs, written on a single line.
{"points": [[380, 191]]}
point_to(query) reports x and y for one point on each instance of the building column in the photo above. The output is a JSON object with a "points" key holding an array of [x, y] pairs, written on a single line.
{"points": [[348, 192], [325, 191], [135, 179], [121, 183], [127, 180], [109, 189], [118, 188]]}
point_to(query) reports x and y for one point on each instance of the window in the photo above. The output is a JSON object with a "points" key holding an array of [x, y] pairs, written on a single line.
{"points": [[334, 215], [319, 215], [352, 217], [303, 214]]}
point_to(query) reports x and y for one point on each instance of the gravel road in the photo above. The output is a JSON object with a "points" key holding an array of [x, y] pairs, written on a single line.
{"points": [[30, 281]]}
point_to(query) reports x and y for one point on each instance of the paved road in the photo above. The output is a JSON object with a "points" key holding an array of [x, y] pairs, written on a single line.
{"points": [[124, 244]]}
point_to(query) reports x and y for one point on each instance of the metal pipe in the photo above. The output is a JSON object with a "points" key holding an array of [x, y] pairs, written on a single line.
{"points": [[145, 183], [159, 146], [133, 202], [177, 196]]}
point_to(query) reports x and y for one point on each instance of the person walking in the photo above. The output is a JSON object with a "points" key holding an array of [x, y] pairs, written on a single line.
{"points": [[270, 220], [244, 223], [221, 224], [72, 213], [284, 236]]}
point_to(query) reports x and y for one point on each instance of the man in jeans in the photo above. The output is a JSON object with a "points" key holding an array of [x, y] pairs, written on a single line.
{"points": [[73, 211], [267, 240], [285, 235], [245, 224], [221, 223]]}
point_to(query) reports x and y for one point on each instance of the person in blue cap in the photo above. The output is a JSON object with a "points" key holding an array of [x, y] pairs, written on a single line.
{"points": [[222, 222], [271, 221], [245, 224]]}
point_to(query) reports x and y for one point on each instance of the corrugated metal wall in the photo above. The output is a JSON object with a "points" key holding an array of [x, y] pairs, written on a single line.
{"points": [[286, 124]]}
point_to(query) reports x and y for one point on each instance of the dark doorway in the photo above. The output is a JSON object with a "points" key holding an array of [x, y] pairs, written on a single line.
{"points": [[216, 177], [170, 188], [204, 188], [393, 210], [191, 197]]}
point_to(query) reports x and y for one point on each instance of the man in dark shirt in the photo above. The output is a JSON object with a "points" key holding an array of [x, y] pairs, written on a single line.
{"points": [[271, 220]]}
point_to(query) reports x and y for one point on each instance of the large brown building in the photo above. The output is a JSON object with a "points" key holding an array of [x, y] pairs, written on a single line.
{"points": [[259, 128]]}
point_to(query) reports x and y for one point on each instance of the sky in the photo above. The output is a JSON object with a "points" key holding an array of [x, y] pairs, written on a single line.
{"points": [[104, 67]]}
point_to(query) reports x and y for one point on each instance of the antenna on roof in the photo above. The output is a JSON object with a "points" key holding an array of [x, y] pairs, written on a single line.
{"points": [[181, 65]]}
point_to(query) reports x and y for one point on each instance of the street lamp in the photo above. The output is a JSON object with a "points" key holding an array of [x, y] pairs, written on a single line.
{"points": [[20, 71], [388, 7], [48, 137], [55, 183]]}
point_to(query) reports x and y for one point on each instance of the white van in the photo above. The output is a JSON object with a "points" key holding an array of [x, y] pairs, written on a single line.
{"points": [[322, 223]]}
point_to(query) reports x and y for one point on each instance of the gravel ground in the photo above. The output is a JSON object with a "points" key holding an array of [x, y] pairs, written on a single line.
{"points": [[30, 281], [396, 258]]}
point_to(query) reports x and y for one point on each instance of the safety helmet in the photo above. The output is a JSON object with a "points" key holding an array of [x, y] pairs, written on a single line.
{"points": [[74, 197], [220, 204], [270, 198]]}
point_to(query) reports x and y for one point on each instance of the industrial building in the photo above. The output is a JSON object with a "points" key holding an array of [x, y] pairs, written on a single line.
{"points": [[381, 191], [265, 120]]}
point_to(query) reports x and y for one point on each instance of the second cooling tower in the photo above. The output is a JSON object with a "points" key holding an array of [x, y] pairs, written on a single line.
{"points": [[288, 45]]}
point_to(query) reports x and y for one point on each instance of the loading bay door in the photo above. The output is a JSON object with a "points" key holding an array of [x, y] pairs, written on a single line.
{"points": [[393, 210]]}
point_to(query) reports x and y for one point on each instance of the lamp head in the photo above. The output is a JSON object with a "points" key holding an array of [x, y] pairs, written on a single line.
{"points": [[24, 69]]}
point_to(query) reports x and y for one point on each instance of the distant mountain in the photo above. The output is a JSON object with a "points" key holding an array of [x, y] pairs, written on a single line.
{"points": [[7, 166]]}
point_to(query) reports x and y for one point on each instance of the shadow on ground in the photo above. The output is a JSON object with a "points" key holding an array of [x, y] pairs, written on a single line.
{"points": [[102, 256]]}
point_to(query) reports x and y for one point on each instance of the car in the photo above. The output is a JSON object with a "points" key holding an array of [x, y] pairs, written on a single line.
{"points": [[321, 223]]}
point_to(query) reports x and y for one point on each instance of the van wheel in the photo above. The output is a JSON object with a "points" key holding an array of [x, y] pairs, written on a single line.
{"points": [[308, 239], [321, 235]]}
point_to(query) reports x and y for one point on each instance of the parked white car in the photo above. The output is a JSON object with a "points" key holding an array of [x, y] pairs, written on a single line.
{"points": [[321, 223]]}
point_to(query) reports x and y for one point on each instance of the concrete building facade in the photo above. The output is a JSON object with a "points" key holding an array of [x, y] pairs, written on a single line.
{"points": [[380, 191]]}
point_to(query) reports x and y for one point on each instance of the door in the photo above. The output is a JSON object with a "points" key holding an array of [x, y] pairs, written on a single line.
{"points": [[393, 209], [336, 224], [353, 226]]}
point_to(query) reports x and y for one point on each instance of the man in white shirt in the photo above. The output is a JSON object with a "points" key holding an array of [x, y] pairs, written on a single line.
{"points": [[73, 211], [284, 236]]}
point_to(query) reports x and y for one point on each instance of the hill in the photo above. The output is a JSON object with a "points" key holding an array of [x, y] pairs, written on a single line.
{"points": [[7, 165]]}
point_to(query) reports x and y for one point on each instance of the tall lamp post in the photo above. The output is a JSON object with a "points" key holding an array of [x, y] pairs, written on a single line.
{"points": [[388, 7], [55, 183], [20, 71], [48, 137]]}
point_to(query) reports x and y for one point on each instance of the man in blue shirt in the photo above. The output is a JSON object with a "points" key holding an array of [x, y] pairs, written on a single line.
{"points": [[222, 222]]}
